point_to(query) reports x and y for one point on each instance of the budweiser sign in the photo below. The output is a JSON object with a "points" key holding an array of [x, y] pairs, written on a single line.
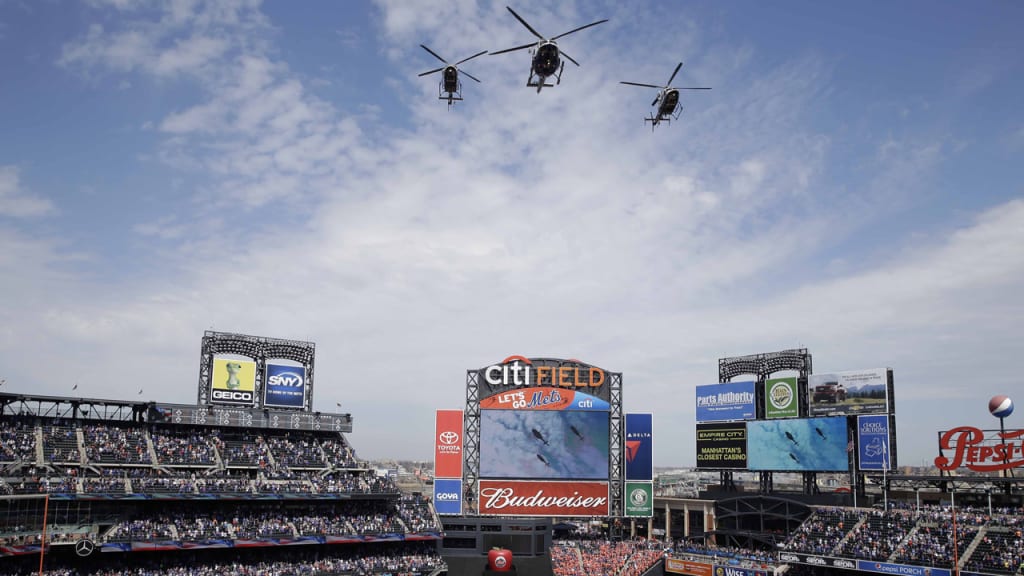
{"points": [[543, 498], [981, 452]]}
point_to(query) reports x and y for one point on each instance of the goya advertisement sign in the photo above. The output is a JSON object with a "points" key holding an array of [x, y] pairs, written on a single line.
{"points": [[285, 386], [728, 401], [639, 499], [448, 496], [520, 383], [722, 445], [639, 447], [543, 498], [780, 398], [873, 442], [233, 382]]}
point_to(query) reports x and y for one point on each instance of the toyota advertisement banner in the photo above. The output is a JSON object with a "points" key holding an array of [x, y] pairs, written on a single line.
{"points": [[543, 498], [448, 496], [873, 442], [285, 386], [448, 444], [639, 447], [728, 401]]}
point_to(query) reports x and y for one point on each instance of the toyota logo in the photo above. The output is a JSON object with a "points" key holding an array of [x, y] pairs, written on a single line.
{"points": [[84, 547], [448, 437]]}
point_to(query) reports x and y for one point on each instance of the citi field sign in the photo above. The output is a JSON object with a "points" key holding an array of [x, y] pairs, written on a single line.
{"points": [[543, 384]]}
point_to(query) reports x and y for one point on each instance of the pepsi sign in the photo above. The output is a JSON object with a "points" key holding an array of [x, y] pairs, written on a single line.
{"points": [[285, 386]]}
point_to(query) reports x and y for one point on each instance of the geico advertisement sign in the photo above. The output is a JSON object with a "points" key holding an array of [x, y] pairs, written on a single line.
{"points": [[543, 498], [233, 381], [520, 371]]}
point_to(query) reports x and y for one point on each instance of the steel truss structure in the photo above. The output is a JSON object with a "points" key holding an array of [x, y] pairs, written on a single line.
{"points": [[259, 349], [762, 366], [616, 430]]}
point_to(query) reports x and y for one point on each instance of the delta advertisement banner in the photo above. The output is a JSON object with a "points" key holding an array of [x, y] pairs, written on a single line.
{"points": [[448, 496], [797, 445], [873, 442], [727, 401], [900, 569], [540, 444], [233, 382], [848, 393], [448, 439], [543, 384], [285, 386], [639, 499], [780, 398], [543, 498], [639, 447], [689, 567], [722, 445]]}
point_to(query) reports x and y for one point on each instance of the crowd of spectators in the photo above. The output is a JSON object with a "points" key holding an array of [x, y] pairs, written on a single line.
{"points": [[823, 531], [300, 452], [111, 481], [60, 444], [603, 557], [17, 441], [110, 444], [183, 446]]}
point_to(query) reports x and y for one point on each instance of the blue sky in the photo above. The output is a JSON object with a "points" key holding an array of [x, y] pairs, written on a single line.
{"points": [[851, 184]]}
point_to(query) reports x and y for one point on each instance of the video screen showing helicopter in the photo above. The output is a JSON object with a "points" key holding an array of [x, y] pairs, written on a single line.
{"points": [[544, 444], [798, 445]]}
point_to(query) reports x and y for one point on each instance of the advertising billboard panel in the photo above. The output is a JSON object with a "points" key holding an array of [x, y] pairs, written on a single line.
{"points": [[448, 496], [233, 382], [900, 569], [797, 445], [575, 382], [544, 444], [285, 386], [845, 393], [639, 447], [728, 401], [873, 442], [680, 566], [639, 499], [448, 439], [543, 498], [722, 445], [780, 398]]}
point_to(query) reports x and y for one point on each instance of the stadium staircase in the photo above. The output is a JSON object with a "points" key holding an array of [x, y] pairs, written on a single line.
{"points": [[216, 457], [908, 538], [849, 534], [978, 539], [80, 441], [40, 456], [150, 448]]}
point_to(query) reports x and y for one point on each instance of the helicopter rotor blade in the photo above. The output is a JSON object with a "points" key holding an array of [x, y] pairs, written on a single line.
{"points": [[639, 84], [571, 59], [434, 54], [578, 29], [530, 45], [470, 58], [656, 98], [687, 88], [432, 71], [468, 75], [673, 77], [523, 22]]}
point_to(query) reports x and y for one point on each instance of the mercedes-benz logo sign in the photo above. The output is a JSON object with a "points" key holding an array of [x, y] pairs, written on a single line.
{"points": [[84, 547], [448, 437]]}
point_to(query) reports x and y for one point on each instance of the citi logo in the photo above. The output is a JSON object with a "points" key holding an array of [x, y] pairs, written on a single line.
{"points": [[448, 437], [290, 379], [447, 497]]}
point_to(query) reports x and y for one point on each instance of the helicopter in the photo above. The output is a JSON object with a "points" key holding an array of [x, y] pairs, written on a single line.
{"points": [[450, 88], [667, 99], [546, 62]]}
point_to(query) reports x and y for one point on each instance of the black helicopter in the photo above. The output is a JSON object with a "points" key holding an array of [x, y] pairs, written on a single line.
{"points": [[546, 62], [667, 100], [450, 88]]}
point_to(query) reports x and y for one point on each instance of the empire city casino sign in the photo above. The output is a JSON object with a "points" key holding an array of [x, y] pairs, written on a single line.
{"points": [[980, 450], [520, 383]]}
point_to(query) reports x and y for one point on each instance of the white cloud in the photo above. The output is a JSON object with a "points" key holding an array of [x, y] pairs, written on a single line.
{"points": [[15, 202]]}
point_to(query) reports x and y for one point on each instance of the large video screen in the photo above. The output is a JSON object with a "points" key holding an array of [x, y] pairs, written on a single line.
{"points": [[561, 444], [797, 445]]}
